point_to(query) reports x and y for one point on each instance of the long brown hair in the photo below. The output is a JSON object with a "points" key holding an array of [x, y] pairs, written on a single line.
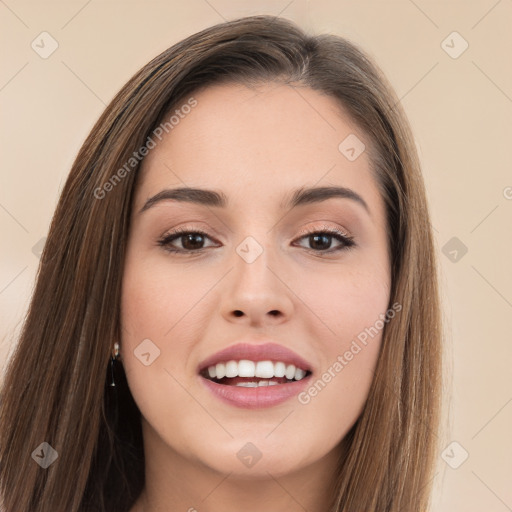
{"points": [[55, 388]]}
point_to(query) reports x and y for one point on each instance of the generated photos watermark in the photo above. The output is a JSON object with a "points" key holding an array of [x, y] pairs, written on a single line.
{"points": [[343, 360], [151, 143]]}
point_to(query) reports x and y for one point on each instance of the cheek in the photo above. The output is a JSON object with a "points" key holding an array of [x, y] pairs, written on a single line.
{"points": [[353, 311], [167, 307], [156, 298], [335, 399], [347, 302], [150, 309], [155, 307], [351, 308]]}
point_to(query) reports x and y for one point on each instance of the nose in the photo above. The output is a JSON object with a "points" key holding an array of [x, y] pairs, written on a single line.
{"points": [[257, 292]]}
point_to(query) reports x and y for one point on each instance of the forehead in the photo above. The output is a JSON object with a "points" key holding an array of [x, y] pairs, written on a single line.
{"points": [[256, 144]]}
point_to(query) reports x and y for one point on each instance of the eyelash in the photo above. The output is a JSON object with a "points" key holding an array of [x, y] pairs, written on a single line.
{"points": [[347, 241]]}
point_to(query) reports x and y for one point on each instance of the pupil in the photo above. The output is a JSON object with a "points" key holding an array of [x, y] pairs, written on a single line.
{"points": [[325, 238], [192, 237]]}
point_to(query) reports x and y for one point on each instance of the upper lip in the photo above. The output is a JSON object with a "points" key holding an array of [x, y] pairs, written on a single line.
{"points": [[255, 352]]}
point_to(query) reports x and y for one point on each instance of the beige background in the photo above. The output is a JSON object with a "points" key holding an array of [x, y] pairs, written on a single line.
{"points": [[460, 109]]}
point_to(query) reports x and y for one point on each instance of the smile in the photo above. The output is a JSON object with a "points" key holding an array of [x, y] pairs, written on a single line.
{"points": [[247, 373], [253, 376]]}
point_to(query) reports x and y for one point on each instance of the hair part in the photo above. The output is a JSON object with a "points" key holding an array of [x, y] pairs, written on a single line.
{"points": [[55, 387]]}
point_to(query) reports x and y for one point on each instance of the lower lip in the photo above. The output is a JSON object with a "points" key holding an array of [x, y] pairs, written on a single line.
{"points": [[257, 397]]}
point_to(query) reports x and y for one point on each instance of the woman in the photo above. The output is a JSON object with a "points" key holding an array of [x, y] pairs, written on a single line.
{"points": [[237, 303]]}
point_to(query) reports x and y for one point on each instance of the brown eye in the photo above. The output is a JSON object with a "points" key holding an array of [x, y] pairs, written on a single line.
{"points": [[320, 241], [191, 241]]}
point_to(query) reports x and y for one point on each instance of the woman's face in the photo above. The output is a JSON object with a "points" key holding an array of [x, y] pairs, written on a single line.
{"points": [[254, 277]]}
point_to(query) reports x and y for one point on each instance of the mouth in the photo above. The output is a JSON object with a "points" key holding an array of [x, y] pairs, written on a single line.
{"points": [[253, 374]]}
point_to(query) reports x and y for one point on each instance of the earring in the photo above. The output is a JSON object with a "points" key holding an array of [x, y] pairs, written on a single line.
{"points": [[112, 359]]}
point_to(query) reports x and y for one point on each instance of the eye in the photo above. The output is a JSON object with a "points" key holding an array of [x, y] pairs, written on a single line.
{"points": [[191, 240], [321, 240]]}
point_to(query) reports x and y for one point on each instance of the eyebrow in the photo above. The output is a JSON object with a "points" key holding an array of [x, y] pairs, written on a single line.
{"points": [[217, 199]]}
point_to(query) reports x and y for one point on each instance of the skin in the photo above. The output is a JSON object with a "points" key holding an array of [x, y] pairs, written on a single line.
{"points": [[256, 145]]}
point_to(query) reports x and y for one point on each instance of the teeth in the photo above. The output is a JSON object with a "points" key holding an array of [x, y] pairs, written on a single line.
{"points": [[262, 369], [248, 384], [246, 368], [299, 374], [290, 371], [279, 369], [231, 369], [257, 384], [220, 370]]}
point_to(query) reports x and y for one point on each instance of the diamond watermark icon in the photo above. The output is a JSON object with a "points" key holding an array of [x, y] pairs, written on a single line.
{"points": [[44, 45], [249, 455], [249, 250], [37, 250], [454, 455], [454, 249], [454, 45], [44, 455], [351, 147], [146, 352]]}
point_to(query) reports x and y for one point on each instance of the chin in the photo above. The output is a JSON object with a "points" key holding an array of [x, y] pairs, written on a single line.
{"points": [[246, 459]]}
